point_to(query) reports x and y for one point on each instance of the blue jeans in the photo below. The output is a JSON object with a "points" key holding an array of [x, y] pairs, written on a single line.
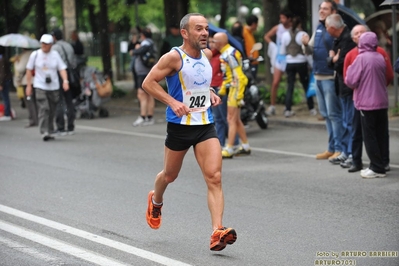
{"points": [[348, 109], [330, 108], [221, 125], [5, 94]]}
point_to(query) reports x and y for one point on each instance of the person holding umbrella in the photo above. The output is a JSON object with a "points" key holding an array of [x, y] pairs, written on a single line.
{"points": [[46, 64]]}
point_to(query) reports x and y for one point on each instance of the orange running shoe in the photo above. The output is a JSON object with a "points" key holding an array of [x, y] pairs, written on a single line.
{"points": [[221, 237], [153, 214]]}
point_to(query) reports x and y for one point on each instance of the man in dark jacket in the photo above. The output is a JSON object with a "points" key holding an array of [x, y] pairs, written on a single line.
{"points": [[343, 43]]}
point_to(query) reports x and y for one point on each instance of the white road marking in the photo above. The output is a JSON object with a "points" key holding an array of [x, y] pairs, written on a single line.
{"points": [[58, 245], [107, 130], [94, 238], [99, 129], [37, 254]]}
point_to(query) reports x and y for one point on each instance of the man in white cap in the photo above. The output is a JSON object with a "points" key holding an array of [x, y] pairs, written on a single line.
{"points": [[45, 64]]}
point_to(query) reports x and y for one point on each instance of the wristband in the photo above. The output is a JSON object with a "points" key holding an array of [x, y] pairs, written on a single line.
{"points": [[66, 81], [212, 90]]}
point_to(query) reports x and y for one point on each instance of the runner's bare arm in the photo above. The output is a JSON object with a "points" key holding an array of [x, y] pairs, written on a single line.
{"points": [[167, 65]]}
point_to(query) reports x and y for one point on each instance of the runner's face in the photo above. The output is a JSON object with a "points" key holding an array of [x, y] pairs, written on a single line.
{"points": [[198, 32]]}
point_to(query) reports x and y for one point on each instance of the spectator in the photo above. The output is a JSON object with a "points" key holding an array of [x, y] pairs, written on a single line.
{"points": [[46, 63], [343, 43], [65, 104], [234, 82], [296, 63], [355, 163], [133, 44], [5, 85], [147, 102], [173, 39], [367, 76], [20, 80], [237, 33], [329, 104], [279, 62], [219, 111], [249, 41], [76, 43]]}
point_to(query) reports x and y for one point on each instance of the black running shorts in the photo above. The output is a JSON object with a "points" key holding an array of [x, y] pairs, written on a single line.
{"points": [[182, 137]]}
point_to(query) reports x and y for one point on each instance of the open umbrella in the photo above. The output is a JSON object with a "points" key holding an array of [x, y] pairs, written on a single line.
{"points": [[379, 17], [232, 41], [350, 17], [19, 40]]}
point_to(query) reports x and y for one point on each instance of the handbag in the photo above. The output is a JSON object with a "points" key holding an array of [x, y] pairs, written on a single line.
{"points": [[104, 90]]}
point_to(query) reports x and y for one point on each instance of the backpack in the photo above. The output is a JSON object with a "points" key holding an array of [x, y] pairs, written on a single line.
{"points": [[293, 48], [149, 57]]}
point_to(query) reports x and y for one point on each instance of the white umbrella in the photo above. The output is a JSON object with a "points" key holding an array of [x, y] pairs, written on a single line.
{"points": [[19, 40]]}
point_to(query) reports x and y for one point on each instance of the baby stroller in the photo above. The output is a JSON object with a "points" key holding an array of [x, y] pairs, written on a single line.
{"points": [[96, 90]]}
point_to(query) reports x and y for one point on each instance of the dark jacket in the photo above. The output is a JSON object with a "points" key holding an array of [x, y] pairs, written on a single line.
{"points": [[344, 43]]}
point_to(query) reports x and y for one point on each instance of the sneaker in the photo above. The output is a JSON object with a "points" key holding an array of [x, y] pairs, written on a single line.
{"points": [[387, 168], [59, 133], [71, 132], [288, 113], [139, 122], [368, 173], [271, 110], [335, 155], [313, 112], [153, 215], [222, 237], [5, 118], [226, 154], [46, 137], [324, 155], [148, 122], [339, 159], [348, 162], [242, 151]]}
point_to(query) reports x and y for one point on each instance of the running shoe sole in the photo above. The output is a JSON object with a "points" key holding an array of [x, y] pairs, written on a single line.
{"points": [[228, 237]]}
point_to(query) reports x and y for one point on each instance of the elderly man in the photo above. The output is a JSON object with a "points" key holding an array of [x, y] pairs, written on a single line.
{"points": [[234, 82], [343, 43], [46, 64], [355, 163]]}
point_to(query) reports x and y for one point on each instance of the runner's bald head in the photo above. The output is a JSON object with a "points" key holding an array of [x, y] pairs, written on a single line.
{"points": [[221, 38]]}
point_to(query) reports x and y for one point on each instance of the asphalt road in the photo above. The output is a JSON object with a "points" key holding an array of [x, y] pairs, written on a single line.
{"points": [[81, 200]]}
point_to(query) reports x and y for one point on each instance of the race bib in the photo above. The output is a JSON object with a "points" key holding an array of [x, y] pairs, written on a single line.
{"points": [[197, 100]]}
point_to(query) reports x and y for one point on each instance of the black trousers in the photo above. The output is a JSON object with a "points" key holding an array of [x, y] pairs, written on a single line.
{"points": [[357, 139], [303, 71], [376, 137], [65, 106]]}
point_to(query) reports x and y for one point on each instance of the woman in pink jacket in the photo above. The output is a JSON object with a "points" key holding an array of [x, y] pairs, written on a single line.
{"points": [[366, 76]]}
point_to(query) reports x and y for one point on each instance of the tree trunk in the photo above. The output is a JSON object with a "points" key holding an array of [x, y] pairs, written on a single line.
{"points": [[223, 13], [14, 18], [104, 39], [272, 16], [93, 19], [41, 23], [174, 11]]}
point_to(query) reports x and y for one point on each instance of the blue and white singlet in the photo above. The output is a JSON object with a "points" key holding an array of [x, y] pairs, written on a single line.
{"points": [[190, 85]]}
